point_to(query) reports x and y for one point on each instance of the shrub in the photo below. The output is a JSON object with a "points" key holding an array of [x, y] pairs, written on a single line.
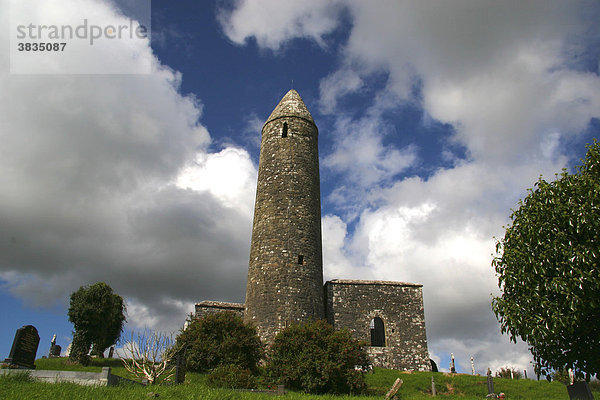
{"points": [[220, 339], [231, 377], [315, 358], [562, 376], [505, 372]]}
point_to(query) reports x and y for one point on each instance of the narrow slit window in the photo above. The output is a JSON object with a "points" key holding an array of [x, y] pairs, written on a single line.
{"points": [[300, 259], [284, 130]]}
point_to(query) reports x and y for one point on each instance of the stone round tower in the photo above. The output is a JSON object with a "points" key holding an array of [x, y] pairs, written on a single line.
{"points": [[285, 275]]}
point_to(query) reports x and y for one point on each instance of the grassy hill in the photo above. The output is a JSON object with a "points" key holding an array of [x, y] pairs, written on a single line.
{"points": [[416, 386]]}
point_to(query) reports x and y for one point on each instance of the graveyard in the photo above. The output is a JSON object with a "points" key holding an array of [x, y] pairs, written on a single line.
{"points": [[415, 385]]}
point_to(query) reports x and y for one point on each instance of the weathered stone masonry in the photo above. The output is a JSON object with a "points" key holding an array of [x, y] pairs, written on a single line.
{"points": [[210, 307], [354, 304], [285, 273]]}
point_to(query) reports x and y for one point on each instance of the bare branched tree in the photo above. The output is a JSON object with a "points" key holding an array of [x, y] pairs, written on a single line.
{"points": [[148, 355]]}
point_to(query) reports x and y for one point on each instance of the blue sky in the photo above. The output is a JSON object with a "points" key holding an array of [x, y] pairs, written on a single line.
{"points": [[434, 119]]}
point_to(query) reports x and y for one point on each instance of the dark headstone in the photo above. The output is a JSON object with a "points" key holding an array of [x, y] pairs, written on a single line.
{"points": [[24, 347], [55, 350], [180, 365], [580, 391], [111, 352], [434, 367]]}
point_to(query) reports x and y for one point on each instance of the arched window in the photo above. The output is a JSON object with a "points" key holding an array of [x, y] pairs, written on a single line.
{"points": [[377, 332], [284, 130]]}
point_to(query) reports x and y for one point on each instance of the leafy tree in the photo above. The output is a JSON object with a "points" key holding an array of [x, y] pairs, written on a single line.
{"points": [[547, 266], [220, 339], [315, 358], [98, 314]]}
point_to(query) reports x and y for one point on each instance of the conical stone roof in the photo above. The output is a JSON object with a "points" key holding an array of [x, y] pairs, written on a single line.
{"points": [[291, 105]]}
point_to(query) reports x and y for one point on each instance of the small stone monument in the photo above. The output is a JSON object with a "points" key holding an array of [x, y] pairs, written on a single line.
{"points": [[111, 352], [56, 351], [24, 347], [180, 365], [490, 382], [452, 366], [580, 391], [54, 348], [52, 344]]}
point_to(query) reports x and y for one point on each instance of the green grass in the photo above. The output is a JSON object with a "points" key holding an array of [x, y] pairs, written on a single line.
{"points": [[416, 386]]}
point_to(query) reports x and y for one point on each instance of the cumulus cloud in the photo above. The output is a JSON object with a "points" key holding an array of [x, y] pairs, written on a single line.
{"points": [[109, 178], [511, 80], [338, 84], [272, 24]]}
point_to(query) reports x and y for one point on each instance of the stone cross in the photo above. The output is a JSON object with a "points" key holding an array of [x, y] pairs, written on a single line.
{"points": [[452, 366], [52, 350]]}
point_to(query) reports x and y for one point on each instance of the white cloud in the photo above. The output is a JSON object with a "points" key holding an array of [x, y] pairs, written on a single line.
{"points": [[360, 152], [338, 84], [228, 175], [505, 76], [88, 170], [272, 23]]}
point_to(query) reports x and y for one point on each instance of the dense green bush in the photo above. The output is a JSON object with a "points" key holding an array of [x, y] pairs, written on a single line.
{"points": [[562, 376], [98, 315], [505, 372], [231, 377], [220, 339], [315, 358]]}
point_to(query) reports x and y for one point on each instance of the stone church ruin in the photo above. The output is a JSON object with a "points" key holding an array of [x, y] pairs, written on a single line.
{"points": [[285, 273]]}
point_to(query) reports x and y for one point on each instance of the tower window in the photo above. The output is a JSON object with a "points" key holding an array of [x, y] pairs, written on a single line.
{"points": [[284, 130], [377, 332], [300, 259]]}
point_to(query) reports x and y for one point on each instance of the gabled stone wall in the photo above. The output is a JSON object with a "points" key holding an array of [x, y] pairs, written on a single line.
{"points": [[353, 304], [210, 307]]}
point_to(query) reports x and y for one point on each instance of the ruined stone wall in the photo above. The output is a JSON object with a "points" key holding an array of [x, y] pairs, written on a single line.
{"points": [[353, 304], [285, 274], [210, 307]]}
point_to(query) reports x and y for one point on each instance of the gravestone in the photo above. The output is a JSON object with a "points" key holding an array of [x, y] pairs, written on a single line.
{"points": [[580, 391], [180, 365], [24, 347], [490, 382], [111, 352], [55, 350], [434, 367], [52, 344]]}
